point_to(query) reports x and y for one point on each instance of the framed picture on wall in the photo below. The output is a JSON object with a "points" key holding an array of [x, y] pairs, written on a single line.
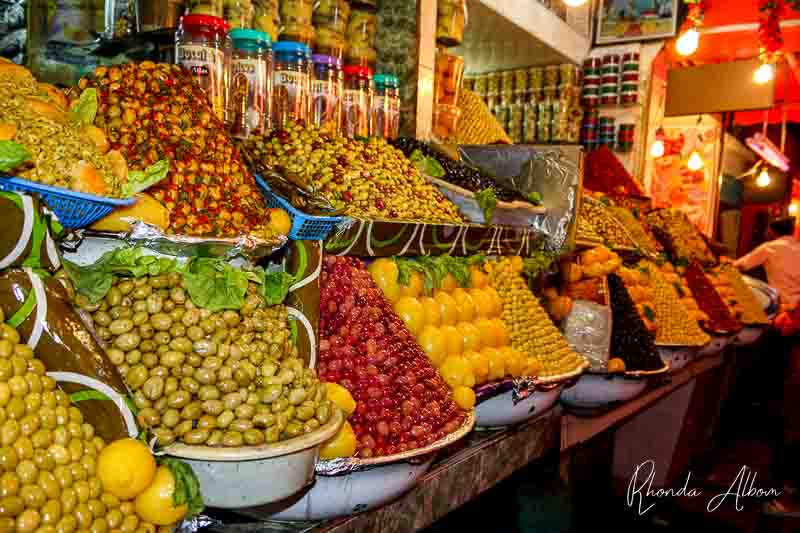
{"points": [[624, 21]]}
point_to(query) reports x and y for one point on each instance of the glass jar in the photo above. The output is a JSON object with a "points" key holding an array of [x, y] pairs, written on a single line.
{"points": [[265, 17], [202, 45], [451, 17], [356, 100], [326, 92], [249, 103], [212, 8], [238, 13], [385, 115], [290, 84], [362, 28], [447, 78], [297, 12], [333, 15]]}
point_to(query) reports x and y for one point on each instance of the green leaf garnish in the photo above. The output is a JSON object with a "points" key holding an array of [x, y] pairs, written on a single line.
{"points": [[89, 394], [487, 201], [84, 110], [426, 165], [139, 180], [187, 487], [535, 198], [12, 155], [215, 285]]}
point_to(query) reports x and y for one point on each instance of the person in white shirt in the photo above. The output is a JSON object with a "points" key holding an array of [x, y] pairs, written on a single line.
{"points": [[780, 258]]}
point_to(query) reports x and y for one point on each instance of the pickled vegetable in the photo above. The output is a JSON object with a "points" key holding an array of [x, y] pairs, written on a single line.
{"points": [[630, 339]]}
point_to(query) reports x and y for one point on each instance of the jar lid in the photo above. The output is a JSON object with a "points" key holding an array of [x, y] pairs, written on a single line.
{"points": [[289, 47], [357, 70], [215, 23], [246, 38], [386, 80], [307, 49], [322, 59]]}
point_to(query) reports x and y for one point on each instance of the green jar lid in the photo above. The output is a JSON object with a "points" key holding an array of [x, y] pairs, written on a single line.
{"points": [[386, 80], [247, 39]]}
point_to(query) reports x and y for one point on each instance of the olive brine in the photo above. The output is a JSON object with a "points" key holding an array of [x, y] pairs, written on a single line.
{"points": [[225, 378]]}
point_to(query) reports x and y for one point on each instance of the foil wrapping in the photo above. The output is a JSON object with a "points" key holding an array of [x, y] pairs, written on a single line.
{"points": [[587, 329]]}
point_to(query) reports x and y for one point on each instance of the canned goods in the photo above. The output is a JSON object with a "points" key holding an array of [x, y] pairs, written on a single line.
{"points": [[592, 62], [629, 87], [592, 80], [608, 88], [629, 98], [609, 70], [630, 67], [529, 126], [550, 91], [630, 77], [610, 80], [611, 59], [535, 78], [590, 101], [551, 73], [521, 80], [568, 74], [507, 80], [630, 57], [493, 83], [481, 84]]}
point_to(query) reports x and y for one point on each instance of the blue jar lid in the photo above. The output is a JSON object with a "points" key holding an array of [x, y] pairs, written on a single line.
{"points": [[307, 50], [289, 47], [386, 80], [322, 59], [247, 39]]}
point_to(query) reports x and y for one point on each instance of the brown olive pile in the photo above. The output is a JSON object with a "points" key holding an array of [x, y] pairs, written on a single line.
{"points": [[48, 455], [228, 378], [607, 226]]}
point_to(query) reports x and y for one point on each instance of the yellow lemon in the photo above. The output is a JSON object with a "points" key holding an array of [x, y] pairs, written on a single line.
{"points": [[341, 397], [456, 371], [479, 364], [470, 335], [615, 365], [433, 343], [431, 311], [515, 361], [155, 505], [488, 332], [416, 284], [343, 444], [384, 272], [126, 467], [497, 302], [497, 364], [484, 307], [531, 368], [453, 340], [501, 334], [411, 312], [449, 308], [466, 307], [464, 397], [478, 278], [280, 221], [449, 283]]}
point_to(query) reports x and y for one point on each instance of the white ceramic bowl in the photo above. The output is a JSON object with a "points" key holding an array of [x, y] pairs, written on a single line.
{"points": [[501, 411], [337, 496], [677, 357], [748, 336], [231, 478], [593, 390], [717, 344]]}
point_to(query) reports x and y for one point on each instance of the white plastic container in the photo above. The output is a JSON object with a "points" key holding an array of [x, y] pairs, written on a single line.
{"points": [[500, 411], [594, 390]]}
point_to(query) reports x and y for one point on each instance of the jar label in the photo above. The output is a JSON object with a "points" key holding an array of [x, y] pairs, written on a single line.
{"points": [[289, 96], [207, 65], [247, 97], [325, 104], [355, 109]]}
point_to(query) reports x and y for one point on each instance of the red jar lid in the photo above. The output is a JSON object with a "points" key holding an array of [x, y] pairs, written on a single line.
{"points": [[201, 22], [357, 70]]}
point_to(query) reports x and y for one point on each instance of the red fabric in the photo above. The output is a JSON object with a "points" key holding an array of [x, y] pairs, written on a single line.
{"points": [[604, 173]]}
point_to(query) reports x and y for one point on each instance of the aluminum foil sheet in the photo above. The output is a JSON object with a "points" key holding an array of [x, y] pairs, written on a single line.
{"points": [[587, 329], [152, 237], [553, 172], [208, 523]]}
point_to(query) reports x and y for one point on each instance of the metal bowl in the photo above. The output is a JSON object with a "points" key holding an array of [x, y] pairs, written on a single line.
{"points": [[501, 411]]}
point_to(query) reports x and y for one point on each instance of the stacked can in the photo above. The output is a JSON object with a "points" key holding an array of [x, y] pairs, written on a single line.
{"points": [[551, 76], [609, 86], [591, 82], [544, 122], [521, 92], [529, 126], [629, 82], [493, 90], [516, 122], [502, 112], [608, 131], [558, 130], [536, 83], [625, 137], [481, 87], [468, 83], [507, 87], [589, 130]]}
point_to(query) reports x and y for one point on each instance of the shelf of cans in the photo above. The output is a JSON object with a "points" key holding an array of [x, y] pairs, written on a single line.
{"points": [[609, 82], [255, 84], [536, 104]]}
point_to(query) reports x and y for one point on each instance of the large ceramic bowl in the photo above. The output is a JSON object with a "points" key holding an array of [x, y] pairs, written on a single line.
{"points": [[593, 390], [501, 411], [231, 478], [370, 483], [717, 344], [676, 357]]}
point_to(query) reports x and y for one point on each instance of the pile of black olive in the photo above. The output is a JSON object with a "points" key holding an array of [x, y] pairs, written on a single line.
{"points": [[458, 173], [630, 340]]}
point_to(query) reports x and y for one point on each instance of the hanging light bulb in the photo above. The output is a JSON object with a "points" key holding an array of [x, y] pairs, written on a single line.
{"points": [[688, 42], [764, 74], [793, 208], [763, 179], [575, 3], [657, 149], [695, 161]]}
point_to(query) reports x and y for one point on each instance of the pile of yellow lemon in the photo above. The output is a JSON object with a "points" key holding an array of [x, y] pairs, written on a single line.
{"points": [[128, 470], [458, 328], [344, 443]]}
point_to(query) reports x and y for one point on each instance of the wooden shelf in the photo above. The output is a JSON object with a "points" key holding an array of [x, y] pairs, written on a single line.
{"points": [[507, 34]]}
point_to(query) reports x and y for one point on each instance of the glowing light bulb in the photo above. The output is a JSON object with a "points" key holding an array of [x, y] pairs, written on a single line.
{"points": [[658, 149], [763, 179], [695, 162], [793, 208], [764, 74], [688, 42], [575, 3]]}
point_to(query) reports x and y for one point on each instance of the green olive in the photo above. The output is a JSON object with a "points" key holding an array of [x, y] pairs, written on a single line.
{"points": [[271, 393], [192, 411], [190, 317], [183, 428], [141, 293], [205, 347], [232, 439], [195, 333], [240, 425], [213, 407], [101, 318], [148, 417], [170, 385], [173, 359], [133, 357], [161, 321], [305, 413], [272, 434], [196, 436], [227, 386], [127, 341], [181, 344], [171, 418], [207, 422], [225, 418], [253, 437], [147, 331], [42, 439], [190, 384], [154, 304], [120, 326], [293, 429], [215, 439], [310, 425], [164, 436], [179, 399], [208, 392]]}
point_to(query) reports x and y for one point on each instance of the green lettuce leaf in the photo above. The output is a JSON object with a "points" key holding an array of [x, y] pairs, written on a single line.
{"points": [[215, 285], [139, 180], [85, 109], [457, 267], [12, 155], [427, 165], [406, 267], [187, 487], [535, 198], [434, 270], [487, 201], [275, 287]]}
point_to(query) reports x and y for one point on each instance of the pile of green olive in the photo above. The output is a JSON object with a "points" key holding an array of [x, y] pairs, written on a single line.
{"points": [[48, 455], [226, 378]]}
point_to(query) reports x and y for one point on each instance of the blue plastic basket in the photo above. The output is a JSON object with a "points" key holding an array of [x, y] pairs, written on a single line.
{"points": [[73, 209], [304, 227]]}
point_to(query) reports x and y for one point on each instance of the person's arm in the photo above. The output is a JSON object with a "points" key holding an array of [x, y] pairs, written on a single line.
{"points": [[754, 259]]}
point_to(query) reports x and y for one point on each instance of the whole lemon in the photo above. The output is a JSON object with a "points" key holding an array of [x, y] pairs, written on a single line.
{"points": [[343, 444], [154, 505], [279, 221], [341, 397], [126, 467]]}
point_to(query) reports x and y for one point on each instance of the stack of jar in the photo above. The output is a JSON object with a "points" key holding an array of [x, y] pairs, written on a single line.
{"points": [[331, 19], [451, 17], [629, 78], [590, 94], [447, 85], [362, 27], [609, 77]]}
